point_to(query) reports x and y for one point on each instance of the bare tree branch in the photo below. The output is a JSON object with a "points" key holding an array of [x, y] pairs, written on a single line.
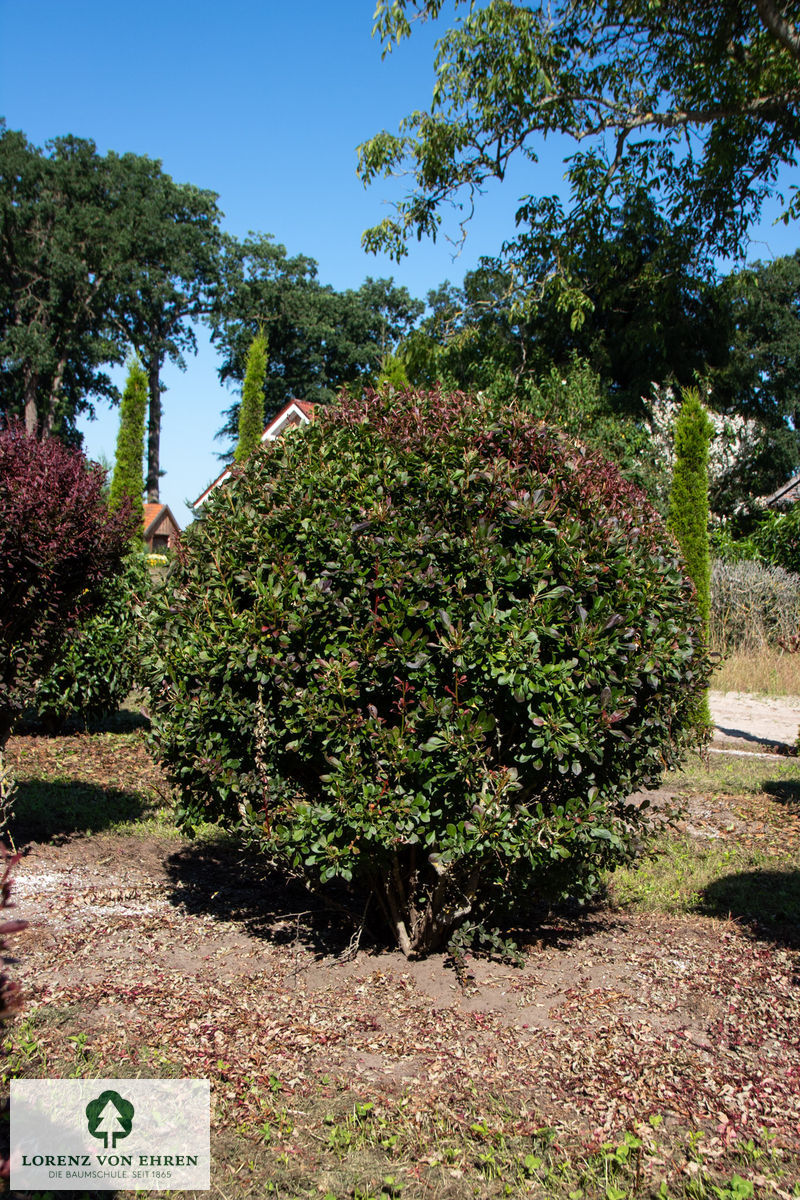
{"points": [[780, 28]]}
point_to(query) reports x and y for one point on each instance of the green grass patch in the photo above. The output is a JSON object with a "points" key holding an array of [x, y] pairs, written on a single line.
{"points": [[732, 774], [739, 855], [714, 878], [48, 809], [86, 784]]}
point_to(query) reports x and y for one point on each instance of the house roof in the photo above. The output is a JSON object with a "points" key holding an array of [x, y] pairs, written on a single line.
{"points": [[305, 406], [296, 412], [154, 514]]}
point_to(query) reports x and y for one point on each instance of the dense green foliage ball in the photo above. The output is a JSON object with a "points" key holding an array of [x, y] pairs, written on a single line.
{"points": [[428, 645]]}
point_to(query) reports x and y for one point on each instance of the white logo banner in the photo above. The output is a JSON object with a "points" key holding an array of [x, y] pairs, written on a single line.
{"points": [[110, 1134]]}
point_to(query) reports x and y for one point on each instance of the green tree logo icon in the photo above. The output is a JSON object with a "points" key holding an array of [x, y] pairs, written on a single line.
{"points": [[109, 1116]]}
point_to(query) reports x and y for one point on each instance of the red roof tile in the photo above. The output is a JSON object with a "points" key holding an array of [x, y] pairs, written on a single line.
{"points": [[151, 511]]}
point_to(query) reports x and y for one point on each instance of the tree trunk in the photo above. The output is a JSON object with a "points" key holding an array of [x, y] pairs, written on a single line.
{"points": [[153, 429], [425, 908], [31, 407], [52, 405]]}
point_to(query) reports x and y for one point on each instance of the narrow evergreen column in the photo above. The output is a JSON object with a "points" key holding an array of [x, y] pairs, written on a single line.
{"points": [[688, 508], [251, 410], [128, 477]]}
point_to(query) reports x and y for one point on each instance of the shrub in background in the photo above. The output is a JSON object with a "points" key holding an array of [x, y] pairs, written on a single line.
{"points": [[772, 538], [96, 667], [428, 645], [58, 544], [753, 605], [726, 546], [776, 538]]}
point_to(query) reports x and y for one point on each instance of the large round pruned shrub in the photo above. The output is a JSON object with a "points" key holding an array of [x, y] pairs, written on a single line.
{"points": [[432, 646]]}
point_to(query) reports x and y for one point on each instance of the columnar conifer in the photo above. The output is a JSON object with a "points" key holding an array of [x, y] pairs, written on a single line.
{"points": [[393, 373], [128, 478], [251, 412], [688, 506]]}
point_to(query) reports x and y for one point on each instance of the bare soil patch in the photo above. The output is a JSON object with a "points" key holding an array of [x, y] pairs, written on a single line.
{"points": [[611, 1018], [157, 954]]}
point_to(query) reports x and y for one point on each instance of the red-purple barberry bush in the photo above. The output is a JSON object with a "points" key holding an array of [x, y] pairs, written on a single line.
{"points": [[58, 543]]}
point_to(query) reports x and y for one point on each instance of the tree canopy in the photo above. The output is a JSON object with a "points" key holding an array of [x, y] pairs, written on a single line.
{"points": [[319, 339], [762, 307], [760, 375], [99, 254], [702, 109], [650, 312], [60, 261], [171, 273]]}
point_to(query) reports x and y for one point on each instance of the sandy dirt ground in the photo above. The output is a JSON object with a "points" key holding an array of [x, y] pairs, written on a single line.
{"points": [[768, 721], [150, 955]]}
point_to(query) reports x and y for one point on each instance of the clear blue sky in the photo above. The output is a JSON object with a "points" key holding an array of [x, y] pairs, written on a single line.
{"points": [[264, 103]]}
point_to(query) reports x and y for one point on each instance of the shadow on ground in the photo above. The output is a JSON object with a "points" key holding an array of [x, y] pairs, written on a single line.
{"points": [[125, 720], [229, 882], [766, 902], [785, 791], [54, 812], [742, 735]]}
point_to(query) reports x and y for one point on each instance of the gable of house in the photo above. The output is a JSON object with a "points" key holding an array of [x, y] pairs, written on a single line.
{"points": [[296, 412], [161, 530]]}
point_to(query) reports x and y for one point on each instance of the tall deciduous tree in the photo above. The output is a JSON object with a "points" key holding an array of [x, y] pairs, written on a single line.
{"points": [[650, 312], [758, 377], [762, 374], [251, 412], [173, 242], [702, 107], [60, 258], [127, 483], [98, 254]]}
